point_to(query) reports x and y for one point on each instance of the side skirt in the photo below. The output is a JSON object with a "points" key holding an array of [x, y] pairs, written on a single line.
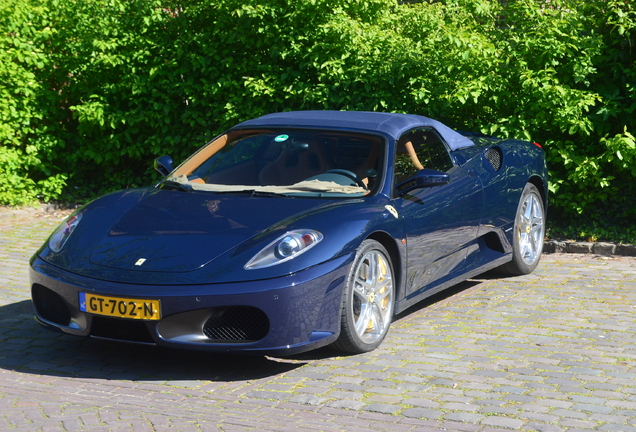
{"points": [[480, 260]]}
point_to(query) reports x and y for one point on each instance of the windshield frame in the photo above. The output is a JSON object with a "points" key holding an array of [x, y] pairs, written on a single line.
{"points": [[378, 144]]}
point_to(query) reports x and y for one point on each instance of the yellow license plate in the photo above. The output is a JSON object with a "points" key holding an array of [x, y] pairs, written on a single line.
{"points": [[143, 309]]}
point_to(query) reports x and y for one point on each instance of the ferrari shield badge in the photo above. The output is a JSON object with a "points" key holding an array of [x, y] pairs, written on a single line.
{"points": [[140, 261]]}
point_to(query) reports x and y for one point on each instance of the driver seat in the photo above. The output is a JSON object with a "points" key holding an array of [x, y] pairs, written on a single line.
{"points": [[291, 167]]}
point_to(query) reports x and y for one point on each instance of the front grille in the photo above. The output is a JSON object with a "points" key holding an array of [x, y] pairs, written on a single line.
{"points": [[121, 329], [50, 305], [494, 156], [236, 324]]}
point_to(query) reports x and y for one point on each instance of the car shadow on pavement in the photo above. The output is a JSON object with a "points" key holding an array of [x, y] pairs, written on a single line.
{"points": [[440, 297], [27, 347]]}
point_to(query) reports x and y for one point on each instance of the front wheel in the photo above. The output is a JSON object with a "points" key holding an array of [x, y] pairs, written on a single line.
{"points": [[529, 230], [368, 299]]}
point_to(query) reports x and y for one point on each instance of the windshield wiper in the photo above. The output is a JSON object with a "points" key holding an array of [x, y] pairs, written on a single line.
{"points": [[252, 193], [175, 184]]}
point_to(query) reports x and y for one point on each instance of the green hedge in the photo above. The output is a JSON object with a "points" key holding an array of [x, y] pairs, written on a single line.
{"points": [[27, 170], [94, 90]]}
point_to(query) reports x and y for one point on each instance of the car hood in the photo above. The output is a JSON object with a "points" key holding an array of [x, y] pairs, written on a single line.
{"points": [[181, 232], [155, 237]]}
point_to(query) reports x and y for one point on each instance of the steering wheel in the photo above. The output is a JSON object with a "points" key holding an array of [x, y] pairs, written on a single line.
{"points": [[349, 174]]}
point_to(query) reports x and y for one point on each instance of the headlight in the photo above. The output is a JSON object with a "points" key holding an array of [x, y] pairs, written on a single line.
{"points": [[284, 248], [63, 232]]}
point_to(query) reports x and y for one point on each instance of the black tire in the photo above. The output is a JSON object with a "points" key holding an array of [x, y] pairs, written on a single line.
{"points": [[367, 300], [528, 234]]}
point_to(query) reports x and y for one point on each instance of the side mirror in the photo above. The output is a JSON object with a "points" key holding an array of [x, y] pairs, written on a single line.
{"points": [[163, 164], [422, 179]]}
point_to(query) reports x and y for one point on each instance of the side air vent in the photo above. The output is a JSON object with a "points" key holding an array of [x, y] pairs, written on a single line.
{"points": [[495, 157], [493, 242], [234, 324], [50, 305]]}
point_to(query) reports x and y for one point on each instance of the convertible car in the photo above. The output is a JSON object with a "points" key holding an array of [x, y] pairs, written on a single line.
{"points": [[294, 231]]}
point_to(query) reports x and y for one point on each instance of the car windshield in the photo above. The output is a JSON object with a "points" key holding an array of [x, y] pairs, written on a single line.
{"points": [[289, 162]]}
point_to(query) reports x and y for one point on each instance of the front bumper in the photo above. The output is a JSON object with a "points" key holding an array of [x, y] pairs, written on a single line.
{"points": [[286, 315]]}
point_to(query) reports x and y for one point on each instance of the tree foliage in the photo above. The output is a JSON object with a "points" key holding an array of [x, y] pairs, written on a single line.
{"points": [[26, 140], [92, 91]]}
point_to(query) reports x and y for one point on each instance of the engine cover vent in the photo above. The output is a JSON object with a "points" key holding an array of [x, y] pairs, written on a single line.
{"points": [[495, 157]]}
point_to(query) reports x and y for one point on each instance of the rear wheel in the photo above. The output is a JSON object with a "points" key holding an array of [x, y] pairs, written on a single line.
{"points": [[367, 304], [529, 230]]}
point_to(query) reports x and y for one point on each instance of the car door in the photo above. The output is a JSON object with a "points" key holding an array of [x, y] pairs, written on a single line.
{"points": [[440, 221]]}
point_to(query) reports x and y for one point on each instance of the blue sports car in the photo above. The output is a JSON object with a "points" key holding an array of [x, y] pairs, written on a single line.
{"points": [[293, 231]]}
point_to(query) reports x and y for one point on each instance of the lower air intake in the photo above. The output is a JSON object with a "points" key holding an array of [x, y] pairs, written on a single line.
{"points": [[50, 305], [234, 324], [121, 329], [494, 156]]}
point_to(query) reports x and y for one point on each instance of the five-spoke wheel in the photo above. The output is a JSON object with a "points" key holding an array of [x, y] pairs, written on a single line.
{"points": [[367, 307], [529, 230]]}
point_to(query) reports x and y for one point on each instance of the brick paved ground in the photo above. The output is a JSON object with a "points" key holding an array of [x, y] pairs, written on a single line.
{"points": [[552, 351]]}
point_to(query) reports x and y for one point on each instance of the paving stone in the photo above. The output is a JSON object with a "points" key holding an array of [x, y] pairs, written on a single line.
{"points": [[350, 387], [262, 394], [412, 387], [345, 395], [456, 426], [422, 413], [347, 379], [346, 404], [504, 422], [617, 428], [551, 351], [587, 399], [592, 408], [510, 389], [490, 402], [569, 413], [384, 390], [425, 403], [460, 407], [454, 398], [382, 408], [464, 417], [520, 398], [308, 399], [543, 427], [377, 383], [375, 375]]}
